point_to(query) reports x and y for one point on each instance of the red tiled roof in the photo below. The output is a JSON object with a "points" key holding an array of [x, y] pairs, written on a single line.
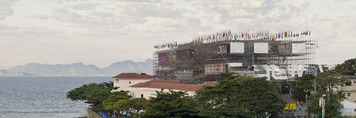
{"points": [[172, 84], [133, 75], [145, 84]]}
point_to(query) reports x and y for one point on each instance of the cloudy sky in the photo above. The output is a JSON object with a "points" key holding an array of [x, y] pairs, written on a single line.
{"points": [[101, 32]]}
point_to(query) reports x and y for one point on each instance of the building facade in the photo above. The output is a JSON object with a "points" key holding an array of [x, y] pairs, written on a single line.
{"points": [[148, 89], [124, 80], [144, 86], [350, 89], [260, 54]]}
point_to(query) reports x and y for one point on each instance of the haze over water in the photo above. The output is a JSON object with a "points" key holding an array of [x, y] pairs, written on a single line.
{"points": [[42, 97]]}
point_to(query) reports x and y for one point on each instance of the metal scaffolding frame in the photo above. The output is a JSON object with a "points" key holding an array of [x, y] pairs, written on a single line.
{"points": [[189, 61]]}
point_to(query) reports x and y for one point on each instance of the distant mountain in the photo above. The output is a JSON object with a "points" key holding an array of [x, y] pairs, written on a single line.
{"points": [[129, 66], [80, 69], [7, 73], [4, 73]]}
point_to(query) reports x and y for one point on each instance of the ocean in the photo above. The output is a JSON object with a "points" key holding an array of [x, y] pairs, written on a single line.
{"points": [[42, 97]]}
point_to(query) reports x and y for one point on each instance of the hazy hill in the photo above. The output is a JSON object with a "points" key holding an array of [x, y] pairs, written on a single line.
{"points": [[129, 66], [80, 69], [7, 73], [4, 73]]}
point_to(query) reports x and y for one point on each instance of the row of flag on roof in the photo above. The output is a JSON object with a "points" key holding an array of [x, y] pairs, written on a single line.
{"points": [[167, 45], [227, 35]]}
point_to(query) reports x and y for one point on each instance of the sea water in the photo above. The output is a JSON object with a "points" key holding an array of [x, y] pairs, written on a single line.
{"points": [[42, 97]]}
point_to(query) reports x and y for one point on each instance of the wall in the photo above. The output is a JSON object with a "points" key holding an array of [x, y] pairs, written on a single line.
{"points": [[350, 90], [352, 97], [151, 92], [92, 114], [124, 83]]}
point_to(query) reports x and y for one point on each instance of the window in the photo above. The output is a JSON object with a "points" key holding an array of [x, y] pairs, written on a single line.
{"points": [[348, 83], [354, 81], [348, 94], [141, 95], [129, 82], [221, 49]]}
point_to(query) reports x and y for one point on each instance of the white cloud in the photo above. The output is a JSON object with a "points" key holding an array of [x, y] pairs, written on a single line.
{"points": [[143, 9], [83, 6], [5, 8], [102, 32]]}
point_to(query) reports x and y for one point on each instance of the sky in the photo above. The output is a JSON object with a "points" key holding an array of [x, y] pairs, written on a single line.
{"points": [[101, 32]]}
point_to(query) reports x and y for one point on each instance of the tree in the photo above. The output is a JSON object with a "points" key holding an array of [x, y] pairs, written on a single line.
{"points": [[92, 93], [138, 104], [332, 101], [171, 104], [240, 96], [96, 94], [304, 86], [328, 80], [284, 89], [110, 103], [96, 98], [126, 106], [101, 97], [347, 68], [82, 92]]}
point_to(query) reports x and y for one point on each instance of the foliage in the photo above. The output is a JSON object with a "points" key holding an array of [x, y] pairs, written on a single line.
{"points": [[277, 87], [234, 96], [326, 82], [229, 75], [138, 104], [284, 89], [126, 106], [347, 68], [304, 85], [81, 92], [98, 95], [240, 96], [110, 104], [332, 101], [330, 79], [171, 104]]}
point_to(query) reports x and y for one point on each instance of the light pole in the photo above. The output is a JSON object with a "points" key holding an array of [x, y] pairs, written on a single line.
{"points": [[290, 95], [322, 105]]}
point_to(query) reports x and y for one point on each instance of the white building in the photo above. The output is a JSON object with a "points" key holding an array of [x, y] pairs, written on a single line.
{"points": [[144, 86], [148, 89], [124, 80], [350, 89], [349, 108]]}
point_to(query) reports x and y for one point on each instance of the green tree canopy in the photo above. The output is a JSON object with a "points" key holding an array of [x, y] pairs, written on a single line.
{"points": [[96, 94], [329, 80], [347, 68], [171, 104], [326, 82], [240, 96], [304, 85], [332, 101], [110, 102], [82, 92]]}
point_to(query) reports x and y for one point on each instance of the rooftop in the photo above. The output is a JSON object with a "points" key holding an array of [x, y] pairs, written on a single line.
{"points": [[172, 84]]}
